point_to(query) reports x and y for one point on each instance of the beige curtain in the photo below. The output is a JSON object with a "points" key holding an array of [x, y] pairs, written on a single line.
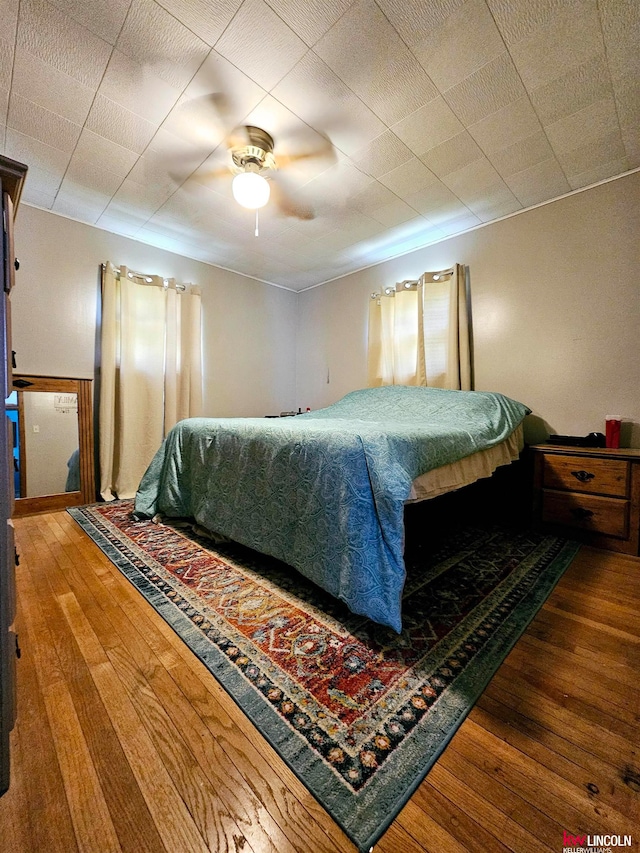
{"points": [[150, 372], [419, 333]]}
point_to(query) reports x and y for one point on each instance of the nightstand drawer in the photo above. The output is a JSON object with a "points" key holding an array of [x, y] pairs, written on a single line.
{"points": [[596, 476], [608, 516]]}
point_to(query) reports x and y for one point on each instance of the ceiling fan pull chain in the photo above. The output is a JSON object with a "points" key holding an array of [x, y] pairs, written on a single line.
{"points": [[256, 231]]}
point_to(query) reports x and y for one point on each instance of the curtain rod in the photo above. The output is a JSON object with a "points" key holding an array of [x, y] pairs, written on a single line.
{"points": [[412, 283], [149, 279]]}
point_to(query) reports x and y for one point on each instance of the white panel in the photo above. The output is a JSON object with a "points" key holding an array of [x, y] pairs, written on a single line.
{"points": [[368, 55], [436, 198], [382, 155], [31, 195], [459, 224], [543, 181], [311, 19], [135, 87], [585, 126], [572, 91], [9, 19], [206, 18], [121, 126], [6, 62], [110, 155], [452, 154], [394, 95], [259, 43], [156, 39], [522, 155], [49, 88], [33, 120], [43, 181], [471, 180], [103, 19], [519, 19], [119, 223], [585, 157], [621, 30], [393, 213], [411, 18], [570, 37], [599, 172], [490, 89], [26, 149], [79, 203], [319, 97], [372, 197], [409, 178], [462, 44], [57, 39], [218, 98], [505, 127], [429, 126], [85, 174], [141, 197]]}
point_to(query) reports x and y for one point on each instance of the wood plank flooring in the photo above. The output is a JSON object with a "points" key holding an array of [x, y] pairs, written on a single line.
{"points": [[125, 742]]}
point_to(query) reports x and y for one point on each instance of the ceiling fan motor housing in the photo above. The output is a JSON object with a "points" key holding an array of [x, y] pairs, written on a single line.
{"points": [[257, 155]]}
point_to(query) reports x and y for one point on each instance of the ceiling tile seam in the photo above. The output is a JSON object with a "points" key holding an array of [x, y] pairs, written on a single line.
{"points": [[13, 65], [311, 46], [477, 227], [528, 93], [442, 94], [65, 11], [95, 95], [186, 26], [611, 83], [231, 20], [400, 37]]}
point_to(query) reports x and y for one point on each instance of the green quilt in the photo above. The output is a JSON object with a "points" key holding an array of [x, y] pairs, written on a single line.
{"points": [[325, 491]]}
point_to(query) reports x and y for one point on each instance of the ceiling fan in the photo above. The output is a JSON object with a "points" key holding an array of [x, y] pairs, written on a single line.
{"points": [[257, 174]]}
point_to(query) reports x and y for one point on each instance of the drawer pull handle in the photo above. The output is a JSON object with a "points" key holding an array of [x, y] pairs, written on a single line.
{"points": [[581, 513], [583, 476]]}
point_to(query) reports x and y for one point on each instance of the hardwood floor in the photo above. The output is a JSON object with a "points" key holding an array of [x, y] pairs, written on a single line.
{"points": [[124, 741]]}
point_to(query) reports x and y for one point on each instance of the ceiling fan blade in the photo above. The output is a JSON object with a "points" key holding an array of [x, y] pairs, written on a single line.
{"points": [[326, 151], [214, 174], [287, 203]]}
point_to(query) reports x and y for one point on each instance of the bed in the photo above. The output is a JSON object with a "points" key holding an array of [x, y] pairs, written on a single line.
{"points": [[325, 491]]}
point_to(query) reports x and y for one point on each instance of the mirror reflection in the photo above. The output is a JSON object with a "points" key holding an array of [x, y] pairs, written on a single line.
{"points": [[52, 430], [48, 457]]}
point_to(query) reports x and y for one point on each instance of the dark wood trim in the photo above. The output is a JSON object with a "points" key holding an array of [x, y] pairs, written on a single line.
{"points": [[22, 437], [87, 493], [13, 178]]}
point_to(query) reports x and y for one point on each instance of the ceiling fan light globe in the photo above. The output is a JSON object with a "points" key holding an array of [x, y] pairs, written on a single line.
{"points": [[251, 190]]}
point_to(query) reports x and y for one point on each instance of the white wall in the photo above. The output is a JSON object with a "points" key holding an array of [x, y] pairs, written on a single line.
{"points": [[249, 327], [555, 299]]}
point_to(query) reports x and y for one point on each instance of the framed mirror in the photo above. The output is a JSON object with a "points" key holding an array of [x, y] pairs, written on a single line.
{"points": [[51, 419]]}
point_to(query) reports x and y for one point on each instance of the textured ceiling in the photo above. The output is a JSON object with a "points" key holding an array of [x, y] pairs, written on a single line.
{"points": [[442, 115]]}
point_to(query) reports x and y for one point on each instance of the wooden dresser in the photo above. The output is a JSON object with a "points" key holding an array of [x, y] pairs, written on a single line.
{"points": [[592, 494], [12, 177]]}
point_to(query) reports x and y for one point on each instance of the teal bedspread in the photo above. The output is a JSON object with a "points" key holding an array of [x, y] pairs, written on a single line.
{"points": [[324, 491]]}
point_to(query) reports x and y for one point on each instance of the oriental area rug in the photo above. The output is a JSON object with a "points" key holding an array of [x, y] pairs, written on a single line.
{"points": [[359, 713]]}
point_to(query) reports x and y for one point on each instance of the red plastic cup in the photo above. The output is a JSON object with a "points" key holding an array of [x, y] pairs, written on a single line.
{"points": [[612, 425]]}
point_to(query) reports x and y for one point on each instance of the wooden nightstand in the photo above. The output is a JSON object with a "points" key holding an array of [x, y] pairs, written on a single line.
{"points": [[592, 494]]}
